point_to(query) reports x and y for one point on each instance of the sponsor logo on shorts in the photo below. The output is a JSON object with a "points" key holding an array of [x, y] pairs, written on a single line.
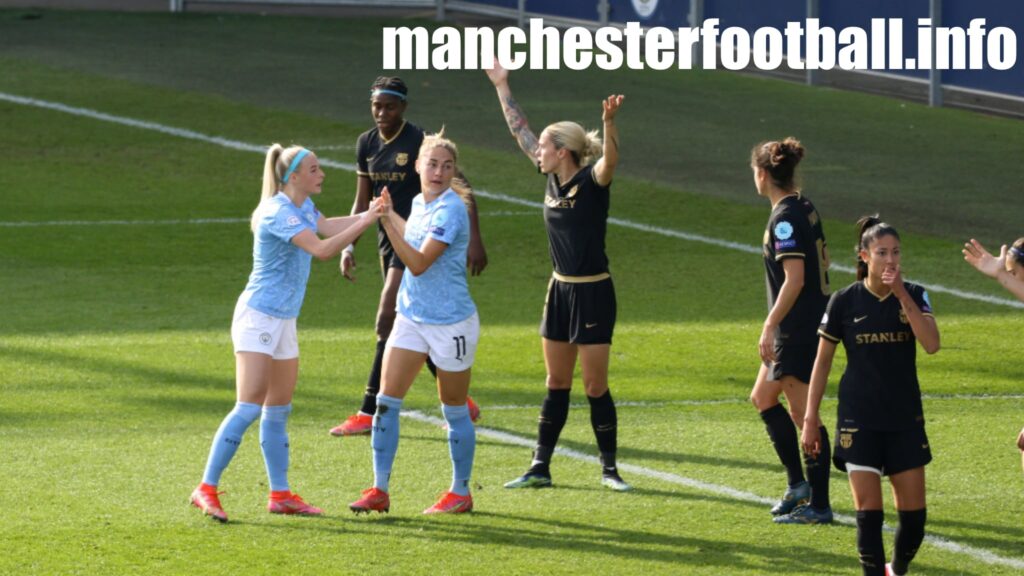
{"points": [[589, 325], [266, 338]]}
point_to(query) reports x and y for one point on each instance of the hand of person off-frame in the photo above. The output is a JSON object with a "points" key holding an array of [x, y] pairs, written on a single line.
{"points": [[976, 255], [810, 438]]}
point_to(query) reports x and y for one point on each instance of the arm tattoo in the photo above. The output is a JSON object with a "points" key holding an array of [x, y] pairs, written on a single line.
{"points": [[517, 124]]}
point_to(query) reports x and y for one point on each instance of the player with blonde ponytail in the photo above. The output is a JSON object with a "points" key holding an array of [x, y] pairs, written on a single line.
{"points": [[287, 230], [579, 313]]}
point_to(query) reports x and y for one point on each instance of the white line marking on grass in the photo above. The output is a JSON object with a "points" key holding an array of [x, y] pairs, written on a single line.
{"points": [[121, 222], [948, 545], [721, 401], [43, 223], [244, 146]]}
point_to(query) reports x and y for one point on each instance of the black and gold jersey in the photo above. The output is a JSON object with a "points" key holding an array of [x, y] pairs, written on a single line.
{"points": [[391, 163], [576, 215], [794, 231], [879, 389]]}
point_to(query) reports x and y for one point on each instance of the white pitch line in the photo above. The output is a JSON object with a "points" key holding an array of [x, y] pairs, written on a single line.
{"points": [[981, 554], [244, 146], [50, 223], [121, 222], [721, 401]]}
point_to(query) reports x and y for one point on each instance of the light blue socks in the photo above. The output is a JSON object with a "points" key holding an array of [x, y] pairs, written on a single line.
{"points": [[461, 446], [384, 439], [227, 439], [274, 441]]}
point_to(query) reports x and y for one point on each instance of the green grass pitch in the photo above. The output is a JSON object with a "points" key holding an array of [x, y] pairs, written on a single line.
{"points": [[115, 356]]}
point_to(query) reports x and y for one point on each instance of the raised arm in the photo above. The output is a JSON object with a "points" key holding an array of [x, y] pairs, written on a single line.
{"points": [[416, 260], [976, 255], [514, 115], [604, 170], [923, 326]]}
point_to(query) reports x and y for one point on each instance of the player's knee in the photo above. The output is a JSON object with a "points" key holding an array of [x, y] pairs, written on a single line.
{"points": [[595, 388], [558, 382]]}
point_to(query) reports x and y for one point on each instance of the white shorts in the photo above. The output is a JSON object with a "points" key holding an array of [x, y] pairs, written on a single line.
{"points": [[254, 331], [452, 347]]}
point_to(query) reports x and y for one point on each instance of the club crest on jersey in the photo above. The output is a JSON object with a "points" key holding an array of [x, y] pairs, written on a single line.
{"points": [[402, 158], [293, 220], [573, 191], [783, 230], [903, 317]]}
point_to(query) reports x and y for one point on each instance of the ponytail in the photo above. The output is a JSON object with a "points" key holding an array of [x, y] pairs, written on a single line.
{"points": [[870, 228], [276, 164]]}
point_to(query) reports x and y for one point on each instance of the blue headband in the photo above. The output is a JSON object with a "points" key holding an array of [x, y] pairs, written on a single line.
{"points": [[386, 91], [295, 164]]}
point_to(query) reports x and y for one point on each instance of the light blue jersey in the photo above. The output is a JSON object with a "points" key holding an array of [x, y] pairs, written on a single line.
{"points": [[440, 295], [280, 269]]}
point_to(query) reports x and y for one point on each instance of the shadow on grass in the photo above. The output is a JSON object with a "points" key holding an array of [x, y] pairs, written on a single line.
{"points": [[539, 534]]}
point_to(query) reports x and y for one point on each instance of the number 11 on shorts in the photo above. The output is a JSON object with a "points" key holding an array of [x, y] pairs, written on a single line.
{"points": [[460, 347]]}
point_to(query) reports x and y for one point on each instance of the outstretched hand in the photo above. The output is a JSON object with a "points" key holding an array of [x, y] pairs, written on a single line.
{"points": [[977, 256], [497, 74], [611, 105]]}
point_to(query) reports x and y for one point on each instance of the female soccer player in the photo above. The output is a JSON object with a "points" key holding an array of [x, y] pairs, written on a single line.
{"points": [[796, 262], [1008, 270], [880, 426], [436, 318], [285, 229], [579, 314], [386, 157]]}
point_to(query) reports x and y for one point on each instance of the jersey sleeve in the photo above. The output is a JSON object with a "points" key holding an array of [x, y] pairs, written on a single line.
{"points": [[362, 164], [446, 222], [286, 224], [790, 236], [831, 327], [920, 296]]}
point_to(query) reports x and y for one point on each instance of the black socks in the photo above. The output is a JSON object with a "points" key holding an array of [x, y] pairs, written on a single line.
{"points": [[373, 382], [782, 432]]}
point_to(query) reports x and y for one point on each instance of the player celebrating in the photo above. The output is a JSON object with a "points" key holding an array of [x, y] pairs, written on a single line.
{"points": [[579, 313], [880, 426], [796, 262], [436, 318], [1008, 270], [386, 156], [285, 229]]}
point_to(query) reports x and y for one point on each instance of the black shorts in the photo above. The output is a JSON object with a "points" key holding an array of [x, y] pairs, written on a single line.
{"points": [[579, 313], [388, 258], [891, 451], [794, 355]]}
